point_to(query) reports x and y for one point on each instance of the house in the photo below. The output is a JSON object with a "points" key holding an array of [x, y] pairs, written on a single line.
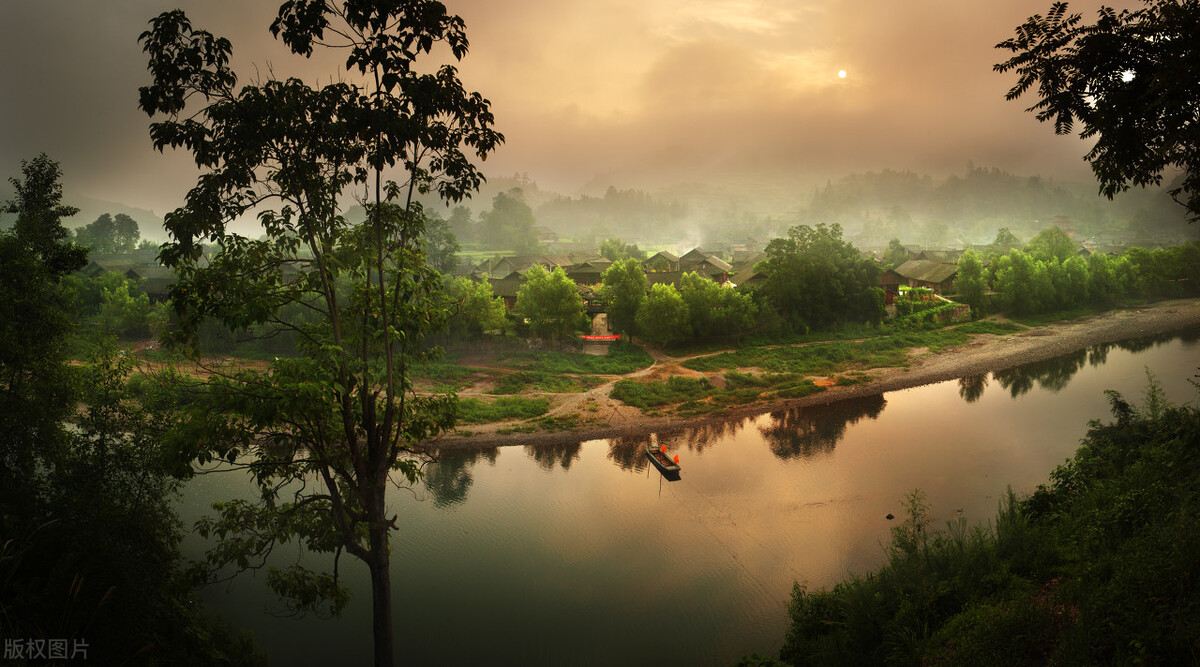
{"points": [[943, 256], [507, 287], [748, 277], [588, 272], [937, 276], [661, 262]]}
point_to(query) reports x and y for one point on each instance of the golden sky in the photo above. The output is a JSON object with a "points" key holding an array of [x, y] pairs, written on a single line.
{"points": [[636, 93]]}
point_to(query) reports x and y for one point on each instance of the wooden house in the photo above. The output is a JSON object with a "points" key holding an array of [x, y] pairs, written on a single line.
{"points": [[937, 276]]}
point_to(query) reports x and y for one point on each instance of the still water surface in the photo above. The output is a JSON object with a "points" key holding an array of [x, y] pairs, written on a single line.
{"points": [[582, 554]]}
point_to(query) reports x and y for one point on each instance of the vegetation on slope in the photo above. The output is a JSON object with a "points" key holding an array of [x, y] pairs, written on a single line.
{"points": [[1097, 567]]}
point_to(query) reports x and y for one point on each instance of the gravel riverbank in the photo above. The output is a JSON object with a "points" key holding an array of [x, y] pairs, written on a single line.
{"points": [[983, 354]]}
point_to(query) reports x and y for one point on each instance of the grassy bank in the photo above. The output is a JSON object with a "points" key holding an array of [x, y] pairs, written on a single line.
{"points": [[1098, 567], [839, 356]]}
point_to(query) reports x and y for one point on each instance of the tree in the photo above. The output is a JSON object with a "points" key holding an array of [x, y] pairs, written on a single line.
{"points": [[551, 302], [1051, 244], [37, 203], [624, 289], [896, 254], [817, 280], [109, 234], [474, 309], [441, 247], [663, 318], [970, 283], [461, 224], [509, 224], [1131, 80], [343, 412], [616, 249], [1005, 241], [715, 311]]}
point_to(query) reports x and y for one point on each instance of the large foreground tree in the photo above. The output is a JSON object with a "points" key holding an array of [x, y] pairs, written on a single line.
{"points": [[1131, 79], [327, 433]]}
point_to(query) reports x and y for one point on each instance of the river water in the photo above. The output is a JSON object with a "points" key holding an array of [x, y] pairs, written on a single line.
{"points": [[583, 554]]}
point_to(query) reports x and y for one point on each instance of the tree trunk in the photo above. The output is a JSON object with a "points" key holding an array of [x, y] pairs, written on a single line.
{"points": [[381, 595]]}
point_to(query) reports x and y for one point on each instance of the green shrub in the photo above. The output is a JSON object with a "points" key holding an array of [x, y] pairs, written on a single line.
{"points": [[476, 411]]}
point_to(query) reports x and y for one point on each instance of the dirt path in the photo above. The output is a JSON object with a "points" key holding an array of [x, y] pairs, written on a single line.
{"points": [[982, 354]]}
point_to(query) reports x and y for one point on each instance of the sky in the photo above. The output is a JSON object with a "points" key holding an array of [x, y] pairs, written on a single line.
{"points": [[588, 93]]}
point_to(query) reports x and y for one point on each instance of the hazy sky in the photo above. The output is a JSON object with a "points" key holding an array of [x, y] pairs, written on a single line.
{"points": [[641, 93]]}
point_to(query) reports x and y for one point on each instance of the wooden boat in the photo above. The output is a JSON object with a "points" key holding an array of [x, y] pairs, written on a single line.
{"points": [[661, 461]]}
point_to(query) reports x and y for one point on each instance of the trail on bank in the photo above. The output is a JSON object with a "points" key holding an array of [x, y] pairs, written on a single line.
{"points": [[984, 353]]}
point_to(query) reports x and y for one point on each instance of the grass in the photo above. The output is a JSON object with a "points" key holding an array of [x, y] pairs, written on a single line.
{"points": [[989, 327], [622, 358], [692, 396], [1040, 319], [832, 357], [515, 383], [477, 411]]}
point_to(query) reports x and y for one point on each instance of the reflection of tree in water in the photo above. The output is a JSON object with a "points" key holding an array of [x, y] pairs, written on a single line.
{"points": [[806, 432], [1051, 374], [448, 479], [629, 452], [548, 456], [971, 387], [698, 438], [1141, 343], [1098, 354]]}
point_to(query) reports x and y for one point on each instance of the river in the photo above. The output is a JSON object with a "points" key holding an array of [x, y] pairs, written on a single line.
{"points": [[583, 554]]}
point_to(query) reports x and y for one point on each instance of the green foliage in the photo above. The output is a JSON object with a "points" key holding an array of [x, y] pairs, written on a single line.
{"points": [[344, 409], [1128, 79], [675, 389], [989, 327], [1051, 245], [828, 358], [1093, 568], [441, 247], [663, 317], [715, 311], [127, 312], [474, 309], [616, 250], [509, 223], [109, 234], [896, 254], [476, 411], [625, 288], [971, 283], [622, 358], [1029, 286], [551, 302], [816, 280]]}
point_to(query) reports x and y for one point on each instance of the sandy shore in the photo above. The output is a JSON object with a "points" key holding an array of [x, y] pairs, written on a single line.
{"points": [[983, 354]]}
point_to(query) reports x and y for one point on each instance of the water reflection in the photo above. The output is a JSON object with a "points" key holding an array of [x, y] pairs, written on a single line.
{"points": [[971, 387], [548, 456], [448, 479], [629, 452], [698, 438], [1055, 374], [1052, 374], [806, 432]]}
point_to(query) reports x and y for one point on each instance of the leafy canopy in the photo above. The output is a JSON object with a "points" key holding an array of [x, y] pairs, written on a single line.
{"points": [[1131, 80], [344, 411]]}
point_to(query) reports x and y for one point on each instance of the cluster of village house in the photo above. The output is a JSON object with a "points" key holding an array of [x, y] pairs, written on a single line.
{"points": [[933, 269]]}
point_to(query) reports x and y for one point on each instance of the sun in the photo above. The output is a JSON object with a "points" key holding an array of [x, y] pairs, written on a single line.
{"points": [[841, 74]]}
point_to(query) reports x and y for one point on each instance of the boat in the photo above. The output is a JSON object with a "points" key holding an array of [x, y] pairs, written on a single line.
{"points": [[661, 461]]}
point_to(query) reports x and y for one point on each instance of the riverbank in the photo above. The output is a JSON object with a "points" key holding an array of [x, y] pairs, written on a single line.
{"points": [[984, 353]]}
